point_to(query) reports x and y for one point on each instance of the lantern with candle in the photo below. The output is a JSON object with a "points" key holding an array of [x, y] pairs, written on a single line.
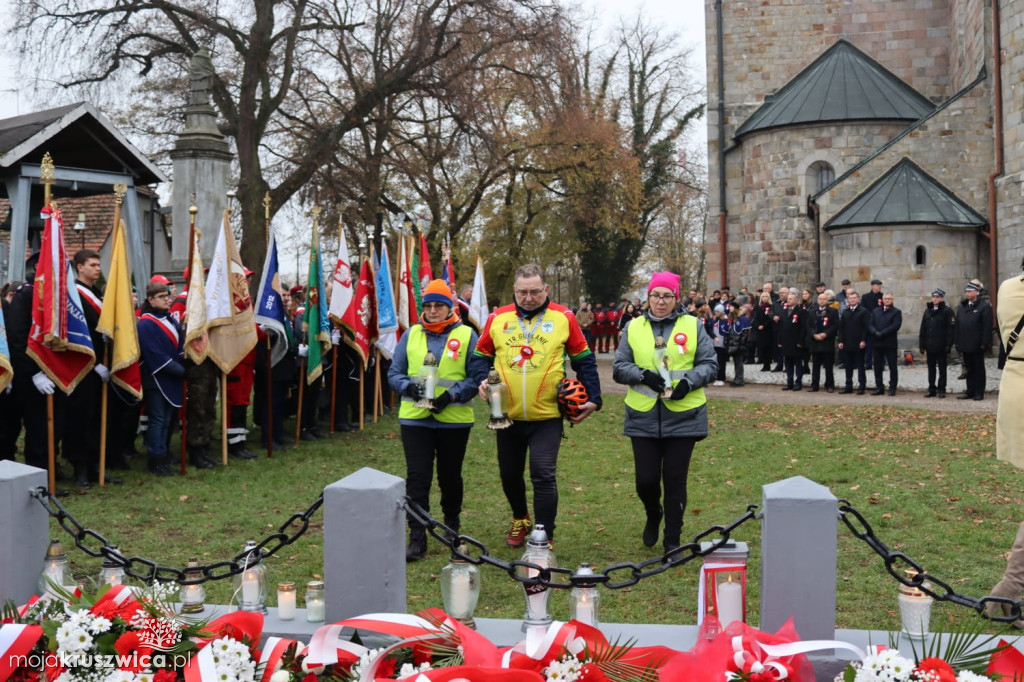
{"points": [[54, 566], [915, 607], [316, 607], [251, 583], [722, 591], [111, 573], [584, 598], [538, 552], [460, 588], [192, 596], [497, 398], [660, 350], [428, 380]]}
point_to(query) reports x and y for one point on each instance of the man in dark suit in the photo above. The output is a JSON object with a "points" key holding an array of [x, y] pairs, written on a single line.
{"points": [[870, 301], [973, 339], [884, 323], [852, 335], [822, 324]]}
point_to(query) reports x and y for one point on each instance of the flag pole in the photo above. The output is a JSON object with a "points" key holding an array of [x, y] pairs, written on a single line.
{"points": [[46, 178], [225, 408], [334, 349], [268, 415], [119, 192], [183, 411], [362, 397], [378, 399]]}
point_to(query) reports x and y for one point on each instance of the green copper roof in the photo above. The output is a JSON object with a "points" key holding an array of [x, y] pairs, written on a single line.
{"points": [[843, 84], [906, 195]]}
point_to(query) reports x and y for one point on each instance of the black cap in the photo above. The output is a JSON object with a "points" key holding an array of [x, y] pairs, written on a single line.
{"points": [[938, 292], [820, 284], [876, 281], [971, 286], [846, 281]]}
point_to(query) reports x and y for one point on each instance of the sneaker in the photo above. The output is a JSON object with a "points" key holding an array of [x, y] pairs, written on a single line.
{"points": [[719, 383], [518, 532]]}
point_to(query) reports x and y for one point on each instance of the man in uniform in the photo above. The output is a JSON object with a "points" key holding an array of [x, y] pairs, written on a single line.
{"points": [[201, 386], [973, 339], [526, 343], [936, 340], [161, 343], [597, 326], [612, 327], [883, 325]]}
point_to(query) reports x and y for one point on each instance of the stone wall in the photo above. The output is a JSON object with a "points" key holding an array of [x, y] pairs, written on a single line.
{"points": [[1010, 188]]}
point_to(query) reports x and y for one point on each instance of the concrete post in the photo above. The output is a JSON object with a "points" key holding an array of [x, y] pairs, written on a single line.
{"points": [[798, 563], [24, 531], [364, 545]]}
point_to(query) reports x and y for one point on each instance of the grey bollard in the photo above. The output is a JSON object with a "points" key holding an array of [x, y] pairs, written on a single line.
{"points": [[364, 545], [798, 557], [24, 531]]}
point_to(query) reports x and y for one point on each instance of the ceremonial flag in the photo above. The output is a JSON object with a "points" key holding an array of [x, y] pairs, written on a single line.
{"points": [[269, 307], [424, 272], [361, 316], [59, 340], [448, 269], [341, 283], [6, 371], [228, 305], [387, 319], [315, 323], [478, 312], [406, 297], [117, 319], [195, 323]]}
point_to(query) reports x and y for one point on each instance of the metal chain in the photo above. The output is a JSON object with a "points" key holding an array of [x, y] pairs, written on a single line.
{"points": [[84, 537], [931, 585], [566, 579]]}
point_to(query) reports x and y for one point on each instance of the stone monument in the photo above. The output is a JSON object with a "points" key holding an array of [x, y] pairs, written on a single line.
{"points": [[202, 162]]}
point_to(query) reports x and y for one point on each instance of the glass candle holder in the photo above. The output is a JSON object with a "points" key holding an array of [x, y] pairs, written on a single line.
{"points": [[316, 607], [286, 600]]}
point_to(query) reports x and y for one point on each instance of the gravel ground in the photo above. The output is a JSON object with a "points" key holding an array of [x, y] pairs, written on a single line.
{"points": [[765, 387]]}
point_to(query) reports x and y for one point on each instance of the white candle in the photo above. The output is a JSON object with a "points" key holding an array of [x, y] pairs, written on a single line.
{"points": [[538, 594], [431, 387], [496, 410], [250, 588], [315, 610], [460, 595], [730, 602], [585, 610], [286, 604]]}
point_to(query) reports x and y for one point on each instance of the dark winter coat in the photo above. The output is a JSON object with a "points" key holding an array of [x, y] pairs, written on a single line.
{"points": [[883, 326], [822, 322], [793, 331], [973, 327], [938, 328], [853, 327]]}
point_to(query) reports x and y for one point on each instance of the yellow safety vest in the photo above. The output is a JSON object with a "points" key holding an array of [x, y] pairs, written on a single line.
{"points": [[449, 372], [680, 350]]}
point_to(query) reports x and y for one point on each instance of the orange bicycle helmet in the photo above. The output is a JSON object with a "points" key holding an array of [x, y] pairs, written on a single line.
{"points": [[572, 395]]}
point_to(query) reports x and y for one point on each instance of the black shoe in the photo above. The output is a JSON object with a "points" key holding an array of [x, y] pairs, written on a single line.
{"points": [[652, 528], [671, 544], [281, 441], [846, 390], [892, 391], [118, 463], [980, 396], [737, 384], [306, 435], [942, 394], [765, 368], [965, 396], [829, 389], [787, 388], [798, 387], [931, 393], [860, 391], [417, 548], [278, 447], [315, 430], [812, 389], [94, 475], [878, 391], [201, 462], [453, 524], [241, 452], [344, 427], [81, 478], [159, 467], [777, 368]]}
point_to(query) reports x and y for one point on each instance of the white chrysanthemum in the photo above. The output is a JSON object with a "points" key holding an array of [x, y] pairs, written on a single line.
{"points": [[121, 676], [145, 676], [363, 663], [409, 670], [72, 638], [76, 616], [968, 676], [98, 625], [567, 669], [281, 676]]}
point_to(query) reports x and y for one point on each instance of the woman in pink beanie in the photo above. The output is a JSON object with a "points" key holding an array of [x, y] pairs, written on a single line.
{"points": [[665, 358]]}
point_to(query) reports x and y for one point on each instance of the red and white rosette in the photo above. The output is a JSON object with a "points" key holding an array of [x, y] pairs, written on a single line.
{"points": [[750, 659], [681, 340], [16, 641], [453, 348], [525, 353]]}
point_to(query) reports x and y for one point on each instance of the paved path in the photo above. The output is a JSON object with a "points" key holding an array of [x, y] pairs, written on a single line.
{"points": [[765, 387]]}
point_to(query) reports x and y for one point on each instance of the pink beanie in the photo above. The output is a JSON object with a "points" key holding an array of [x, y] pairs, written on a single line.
{"points": [[667, 280]]}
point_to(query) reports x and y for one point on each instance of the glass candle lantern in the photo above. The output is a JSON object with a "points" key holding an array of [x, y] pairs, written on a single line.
{"points": [[723, 584], [661, 357], [251, 584], [428, 376], [584, 598], [538, 552], [192, 596], [54, 567], [460, 589], [286, 600], [111, 573], [915, 607], [316, 607], [497, 399]]}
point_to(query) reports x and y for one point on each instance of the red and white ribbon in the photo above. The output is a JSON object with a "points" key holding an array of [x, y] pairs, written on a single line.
{"points": [[681, 340], [201, 667], [453, 348], [272, 654], [525, 353], [750, 661], [16, 641]]}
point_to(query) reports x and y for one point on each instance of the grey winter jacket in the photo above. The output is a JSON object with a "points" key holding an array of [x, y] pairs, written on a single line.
{"points": [[662, 422]]}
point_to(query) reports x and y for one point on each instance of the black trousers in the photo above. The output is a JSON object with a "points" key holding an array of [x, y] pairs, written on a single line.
{"points": [[974, 363], [423, 447], [32, 405], [542, 439], [824, 359], [793, 365], [937, 361], [886, 356], [723, 359], [10, 425], [855, 360], [279, 405], [664, 462], [81, 438]]}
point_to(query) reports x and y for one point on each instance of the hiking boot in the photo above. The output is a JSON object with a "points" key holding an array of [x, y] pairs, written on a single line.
{"points": [[159, 466], [81, 477], [239, 451], [521, 527], [453, 524], [671, 543], [652, 528], [417, 548]]}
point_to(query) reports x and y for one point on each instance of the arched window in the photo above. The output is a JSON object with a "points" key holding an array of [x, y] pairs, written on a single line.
{"points": [[920, 255], [824, 175]]}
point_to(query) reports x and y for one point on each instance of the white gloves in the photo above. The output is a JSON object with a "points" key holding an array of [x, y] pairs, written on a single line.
{"points": [[102, 371], [335, 336], [43, 383], [10, 387], [303, 350]]}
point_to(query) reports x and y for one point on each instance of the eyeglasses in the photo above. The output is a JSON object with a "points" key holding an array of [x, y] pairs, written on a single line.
{"points": [[532, 293], [662, 297], [162, 296]]}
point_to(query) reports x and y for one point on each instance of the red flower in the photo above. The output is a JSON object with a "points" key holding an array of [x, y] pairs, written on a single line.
{"points": [[165, 676], [420, 654], [386, 669], [940, 670], [130, 646], [310, 678]]}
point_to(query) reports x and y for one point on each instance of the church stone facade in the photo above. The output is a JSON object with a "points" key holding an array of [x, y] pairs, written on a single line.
{"points": [[814, 105]]}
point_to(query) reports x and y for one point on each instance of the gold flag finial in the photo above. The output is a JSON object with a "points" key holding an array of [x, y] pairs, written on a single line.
{"points": [[120, 190], [315, 212], [266, 205], [46, 169]]}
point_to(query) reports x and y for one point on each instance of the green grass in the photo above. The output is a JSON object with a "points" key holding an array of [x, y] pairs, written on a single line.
{"points": [[928, 483]]}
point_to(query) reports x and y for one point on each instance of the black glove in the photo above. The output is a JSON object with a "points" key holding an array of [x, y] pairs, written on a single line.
{"points": [[653, 381], [440, 402], [681, 389], [414, 391]]}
